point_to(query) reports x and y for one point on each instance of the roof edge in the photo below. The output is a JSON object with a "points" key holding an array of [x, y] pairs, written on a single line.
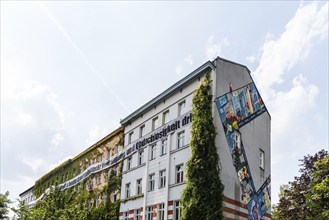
{"points": [[170, 90]]}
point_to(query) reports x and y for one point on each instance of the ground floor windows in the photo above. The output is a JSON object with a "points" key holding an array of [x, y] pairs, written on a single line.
{"points": [[161, 211], [178, 210], [149, 213], [137, 214], [125, 215]]}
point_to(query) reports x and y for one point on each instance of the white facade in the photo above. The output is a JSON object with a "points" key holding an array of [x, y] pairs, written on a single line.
{"points": [[27, 196], [160, 198]]}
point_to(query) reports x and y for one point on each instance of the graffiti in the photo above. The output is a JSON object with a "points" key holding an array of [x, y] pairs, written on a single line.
{"points": [[236, 109]]}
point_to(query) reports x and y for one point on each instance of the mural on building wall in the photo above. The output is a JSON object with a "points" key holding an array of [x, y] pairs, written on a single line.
{"points": [[236, 109]]}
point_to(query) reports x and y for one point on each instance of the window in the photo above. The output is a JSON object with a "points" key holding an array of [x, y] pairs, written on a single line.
{"points": [[126, 216], [129, 162], [165, 117], [180, 139], [261, 159], [127, 190], [115, 170], [141, 130], [155, 123], [178, 210], [149, 213], [163, 147], [181, 108], [130, 136], [108, 154], [140, 157], [94, 160], [114, 197], [139, 186], [106, 175], [99, 179], [151, 182], [117, 147], [137, 214], [98, 200], [162, 180], [101, 157], [152, 152], [179, 173], [161, 211]]}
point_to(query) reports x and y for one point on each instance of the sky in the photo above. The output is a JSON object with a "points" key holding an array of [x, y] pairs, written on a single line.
{"points": [[71, 70]]}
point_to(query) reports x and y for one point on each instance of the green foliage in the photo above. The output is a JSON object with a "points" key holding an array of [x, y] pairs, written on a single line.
{"points": [[4, 205], [307, 197], [22, 212], [203, 196]]}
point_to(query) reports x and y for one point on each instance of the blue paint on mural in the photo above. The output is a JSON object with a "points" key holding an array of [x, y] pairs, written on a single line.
{"points": [[237, 109]]}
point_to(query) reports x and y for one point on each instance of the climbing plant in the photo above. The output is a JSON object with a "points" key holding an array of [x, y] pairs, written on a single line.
{"points": [[203, 196]]}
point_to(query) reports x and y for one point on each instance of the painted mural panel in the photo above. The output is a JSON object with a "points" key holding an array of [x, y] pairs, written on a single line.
{"points": [[236, 109]]}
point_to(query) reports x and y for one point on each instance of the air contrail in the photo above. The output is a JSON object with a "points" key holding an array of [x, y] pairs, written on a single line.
{"points": [[84, 58]]}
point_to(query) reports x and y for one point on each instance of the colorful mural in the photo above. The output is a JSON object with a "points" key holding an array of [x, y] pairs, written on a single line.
{"points": [[236, 109]]}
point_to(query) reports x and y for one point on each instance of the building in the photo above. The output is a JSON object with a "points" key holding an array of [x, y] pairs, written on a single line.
{"points": [[88, 170], [156, 142], [151, 149], [27, 196]]}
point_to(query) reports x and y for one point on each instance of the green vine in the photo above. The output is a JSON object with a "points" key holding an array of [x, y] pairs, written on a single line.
{"points": [[71, 167]]}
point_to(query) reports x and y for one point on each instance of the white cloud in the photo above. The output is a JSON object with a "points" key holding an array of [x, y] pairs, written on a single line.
{"points": [[290, 107], [31, 89], [54, 165], [34, 163], [95, 134], [251, 59], [215, 49], [25, 119], [57, 139], [179, 70], [309, 25], [188, 59]]}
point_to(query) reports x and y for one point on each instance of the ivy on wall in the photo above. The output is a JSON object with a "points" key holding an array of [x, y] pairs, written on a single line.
{"points": [[203, 196]]}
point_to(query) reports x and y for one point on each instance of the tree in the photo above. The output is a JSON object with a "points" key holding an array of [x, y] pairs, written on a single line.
{"points": [[307, 197], [4, 205], [203, 196], [22, 211]]}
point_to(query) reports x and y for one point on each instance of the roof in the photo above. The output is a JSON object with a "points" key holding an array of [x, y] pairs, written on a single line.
{"points": [[196, 73], [29, 189]]}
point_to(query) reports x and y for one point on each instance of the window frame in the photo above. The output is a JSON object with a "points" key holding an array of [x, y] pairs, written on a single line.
{"points": [[139, 186], [177, 208], [179, 174], [162, 178], [180, 105], [261, 159], [127, 190], [129, 162], [180, 139], [164, 144], [165, 117], [161, 211], [130, 137], [149, 213], [141, 130], [152, 151], [141, 157], [155, 123], [151, 182]]}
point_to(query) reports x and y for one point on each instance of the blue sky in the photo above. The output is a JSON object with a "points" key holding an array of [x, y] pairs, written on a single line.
{"points": [[71, 70]]}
